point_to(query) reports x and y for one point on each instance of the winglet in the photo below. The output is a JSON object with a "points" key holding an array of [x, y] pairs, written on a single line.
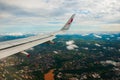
{"points": [[67, 25]]}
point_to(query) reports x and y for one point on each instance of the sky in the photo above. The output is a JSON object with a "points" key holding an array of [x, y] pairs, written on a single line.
{"points": [[51, 15]]}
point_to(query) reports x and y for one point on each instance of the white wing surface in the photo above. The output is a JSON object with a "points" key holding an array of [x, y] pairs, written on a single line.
{"points": [[11, 47]]}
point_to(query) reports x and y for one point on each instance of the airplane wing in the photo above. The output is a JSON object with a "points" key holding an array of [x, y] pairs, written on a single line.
{"points": [[11, 47]]}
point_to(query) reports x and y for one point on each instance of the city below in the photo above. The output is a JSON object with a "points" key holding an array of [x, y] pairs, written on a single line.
{"points": [[93, 56]]}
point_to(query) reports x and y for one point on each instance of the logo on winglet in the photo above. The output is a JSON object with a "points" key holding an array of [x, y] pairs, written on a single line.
{"points": [[70, 21]]}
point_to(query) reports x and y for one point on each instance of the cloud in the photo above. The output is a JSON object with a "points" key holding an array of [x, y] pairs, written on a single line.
{"points": [[70, 42], [95, 14], [85, 48], [111, 27], [70, 45], [55, 52], [14, 34], [96, 44], [14, 10], [97, 36]]}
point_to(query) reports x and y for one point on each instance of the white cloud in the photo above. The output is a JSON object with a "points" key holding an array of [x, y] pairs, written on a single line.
{"points": [[96, 14], [97, 36], [70, 42], [119, 50], [118, 38], [14, 34], [86, 48], [110, 62], [110, 27], [55, 52], [70, 45], [84, 34], [4, 15], [97, 44], [108, 38]]}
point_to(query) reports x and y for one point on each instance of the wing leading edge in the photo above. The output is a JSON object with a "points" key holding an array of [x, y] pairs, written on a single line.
{"points": [[11, 47]]}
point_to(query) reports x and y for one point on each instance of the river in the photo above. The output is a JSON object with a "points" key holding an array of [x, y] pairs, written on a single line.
{"points": [[49, 75]]}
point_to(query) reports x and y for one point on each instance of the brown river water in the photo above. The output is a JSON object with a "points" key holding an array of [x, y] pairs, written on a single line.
{"points": [[49, 75]]}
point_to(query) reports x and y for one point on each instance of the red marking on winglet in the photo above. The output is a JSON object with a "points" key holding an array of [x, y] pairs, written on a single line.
{"points": [[28, 55], [70, 21]]}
